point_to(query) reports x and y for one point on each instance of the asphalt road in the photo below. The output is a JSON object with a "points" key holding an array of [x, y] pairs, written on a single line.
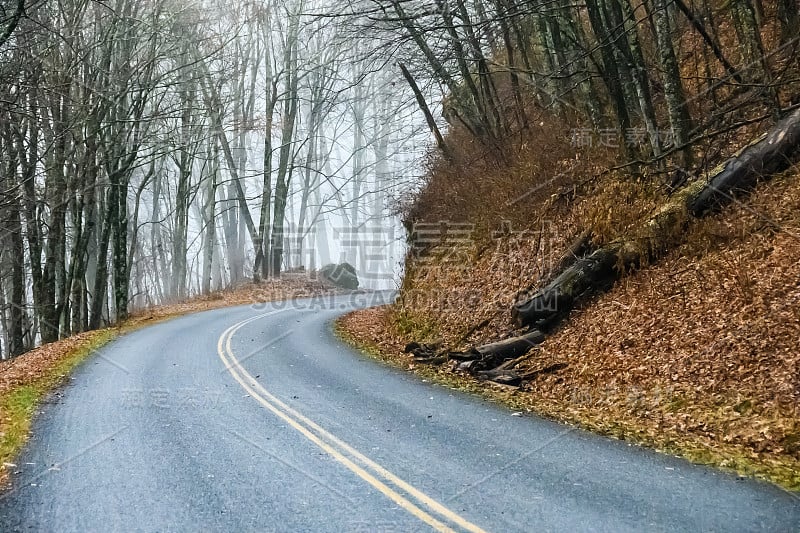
{"points": [[259, 419]]}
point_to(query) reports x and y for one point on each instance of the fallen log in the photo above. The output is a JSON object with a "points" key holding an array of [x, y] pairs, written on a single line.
{"points": [[771, 153], [422, 351], [464, 356], [512, 363], [560, 294], [464, 366], [513, 378], [489, 356], [510, 348], [433, 360], [411, 346], [549, 369], [775, 152], [504, 377], [579, 248]]}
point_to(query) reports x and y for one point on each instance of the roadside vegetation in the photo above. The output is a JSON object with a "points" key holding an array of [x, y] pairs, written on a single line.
{"points": [[27, 380], [688, 341], [150, 152], [696, 355]]}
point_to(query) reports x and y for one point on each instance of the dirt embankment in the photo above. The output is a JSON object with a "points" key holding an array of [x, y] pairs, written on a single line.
{"points": [[697, 355]]}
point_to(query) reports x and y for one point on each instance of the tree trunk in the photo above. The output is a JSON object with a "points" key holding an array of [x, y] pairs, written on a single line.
{"points": [[673, 87], [186, 154], [285, 164], [101, 276], [119, 221], [440, 142], [57, 200], [209, 220], [749, 34], [789, 15], [12, 227], [772, 153], [610, 72]]}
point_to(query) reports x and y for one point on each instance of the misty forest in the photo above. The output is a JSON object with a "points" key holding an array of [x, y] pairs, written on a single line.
{"points": [[156, 150]]}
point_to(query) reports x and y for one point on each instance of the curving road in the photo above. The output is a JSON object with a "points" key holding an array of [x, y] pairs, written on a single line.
{"points": [[259, 419]]}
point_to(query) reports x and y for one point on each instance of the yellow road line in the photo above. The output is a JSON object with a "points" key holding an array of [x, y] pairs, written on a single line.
{"points": [[305, 426]]}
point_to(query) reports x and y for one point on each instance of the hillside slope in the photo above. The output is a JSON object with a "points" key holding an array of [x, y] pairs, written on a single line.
{"points": [[695, 355]]}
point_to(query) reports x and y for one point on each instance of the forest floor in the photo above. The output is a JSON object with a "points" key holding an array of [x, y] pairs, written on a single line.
{"points": [[26, 380], [696, 355]]}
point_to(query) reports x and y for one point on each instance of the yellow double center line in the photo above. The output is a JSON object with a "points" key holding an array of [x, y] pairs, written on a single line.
{"points": [[424, 507]]}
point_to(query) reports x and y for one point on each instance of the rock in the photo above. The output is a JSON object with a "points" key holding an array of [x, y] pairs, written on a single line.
{"points": [[342, 275]]}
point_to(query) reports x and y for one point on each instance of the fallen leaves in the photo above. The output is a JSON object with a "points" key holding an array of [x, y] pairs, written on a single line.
{"points": [[698, 354]]}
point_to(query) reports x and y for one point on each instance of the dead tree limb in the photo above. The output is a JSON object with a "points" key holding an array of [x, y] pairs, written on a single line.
{"points": [[489, 356], [511, 348], [427, 112], [771, 153], [515, 379], [775, 152]]}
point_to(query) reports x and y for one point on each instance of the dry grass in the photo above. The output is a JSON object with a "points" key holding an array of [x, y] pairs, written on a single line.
{"points": [[696, 355], [449, 289], [502, 191], [701, 349]]}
